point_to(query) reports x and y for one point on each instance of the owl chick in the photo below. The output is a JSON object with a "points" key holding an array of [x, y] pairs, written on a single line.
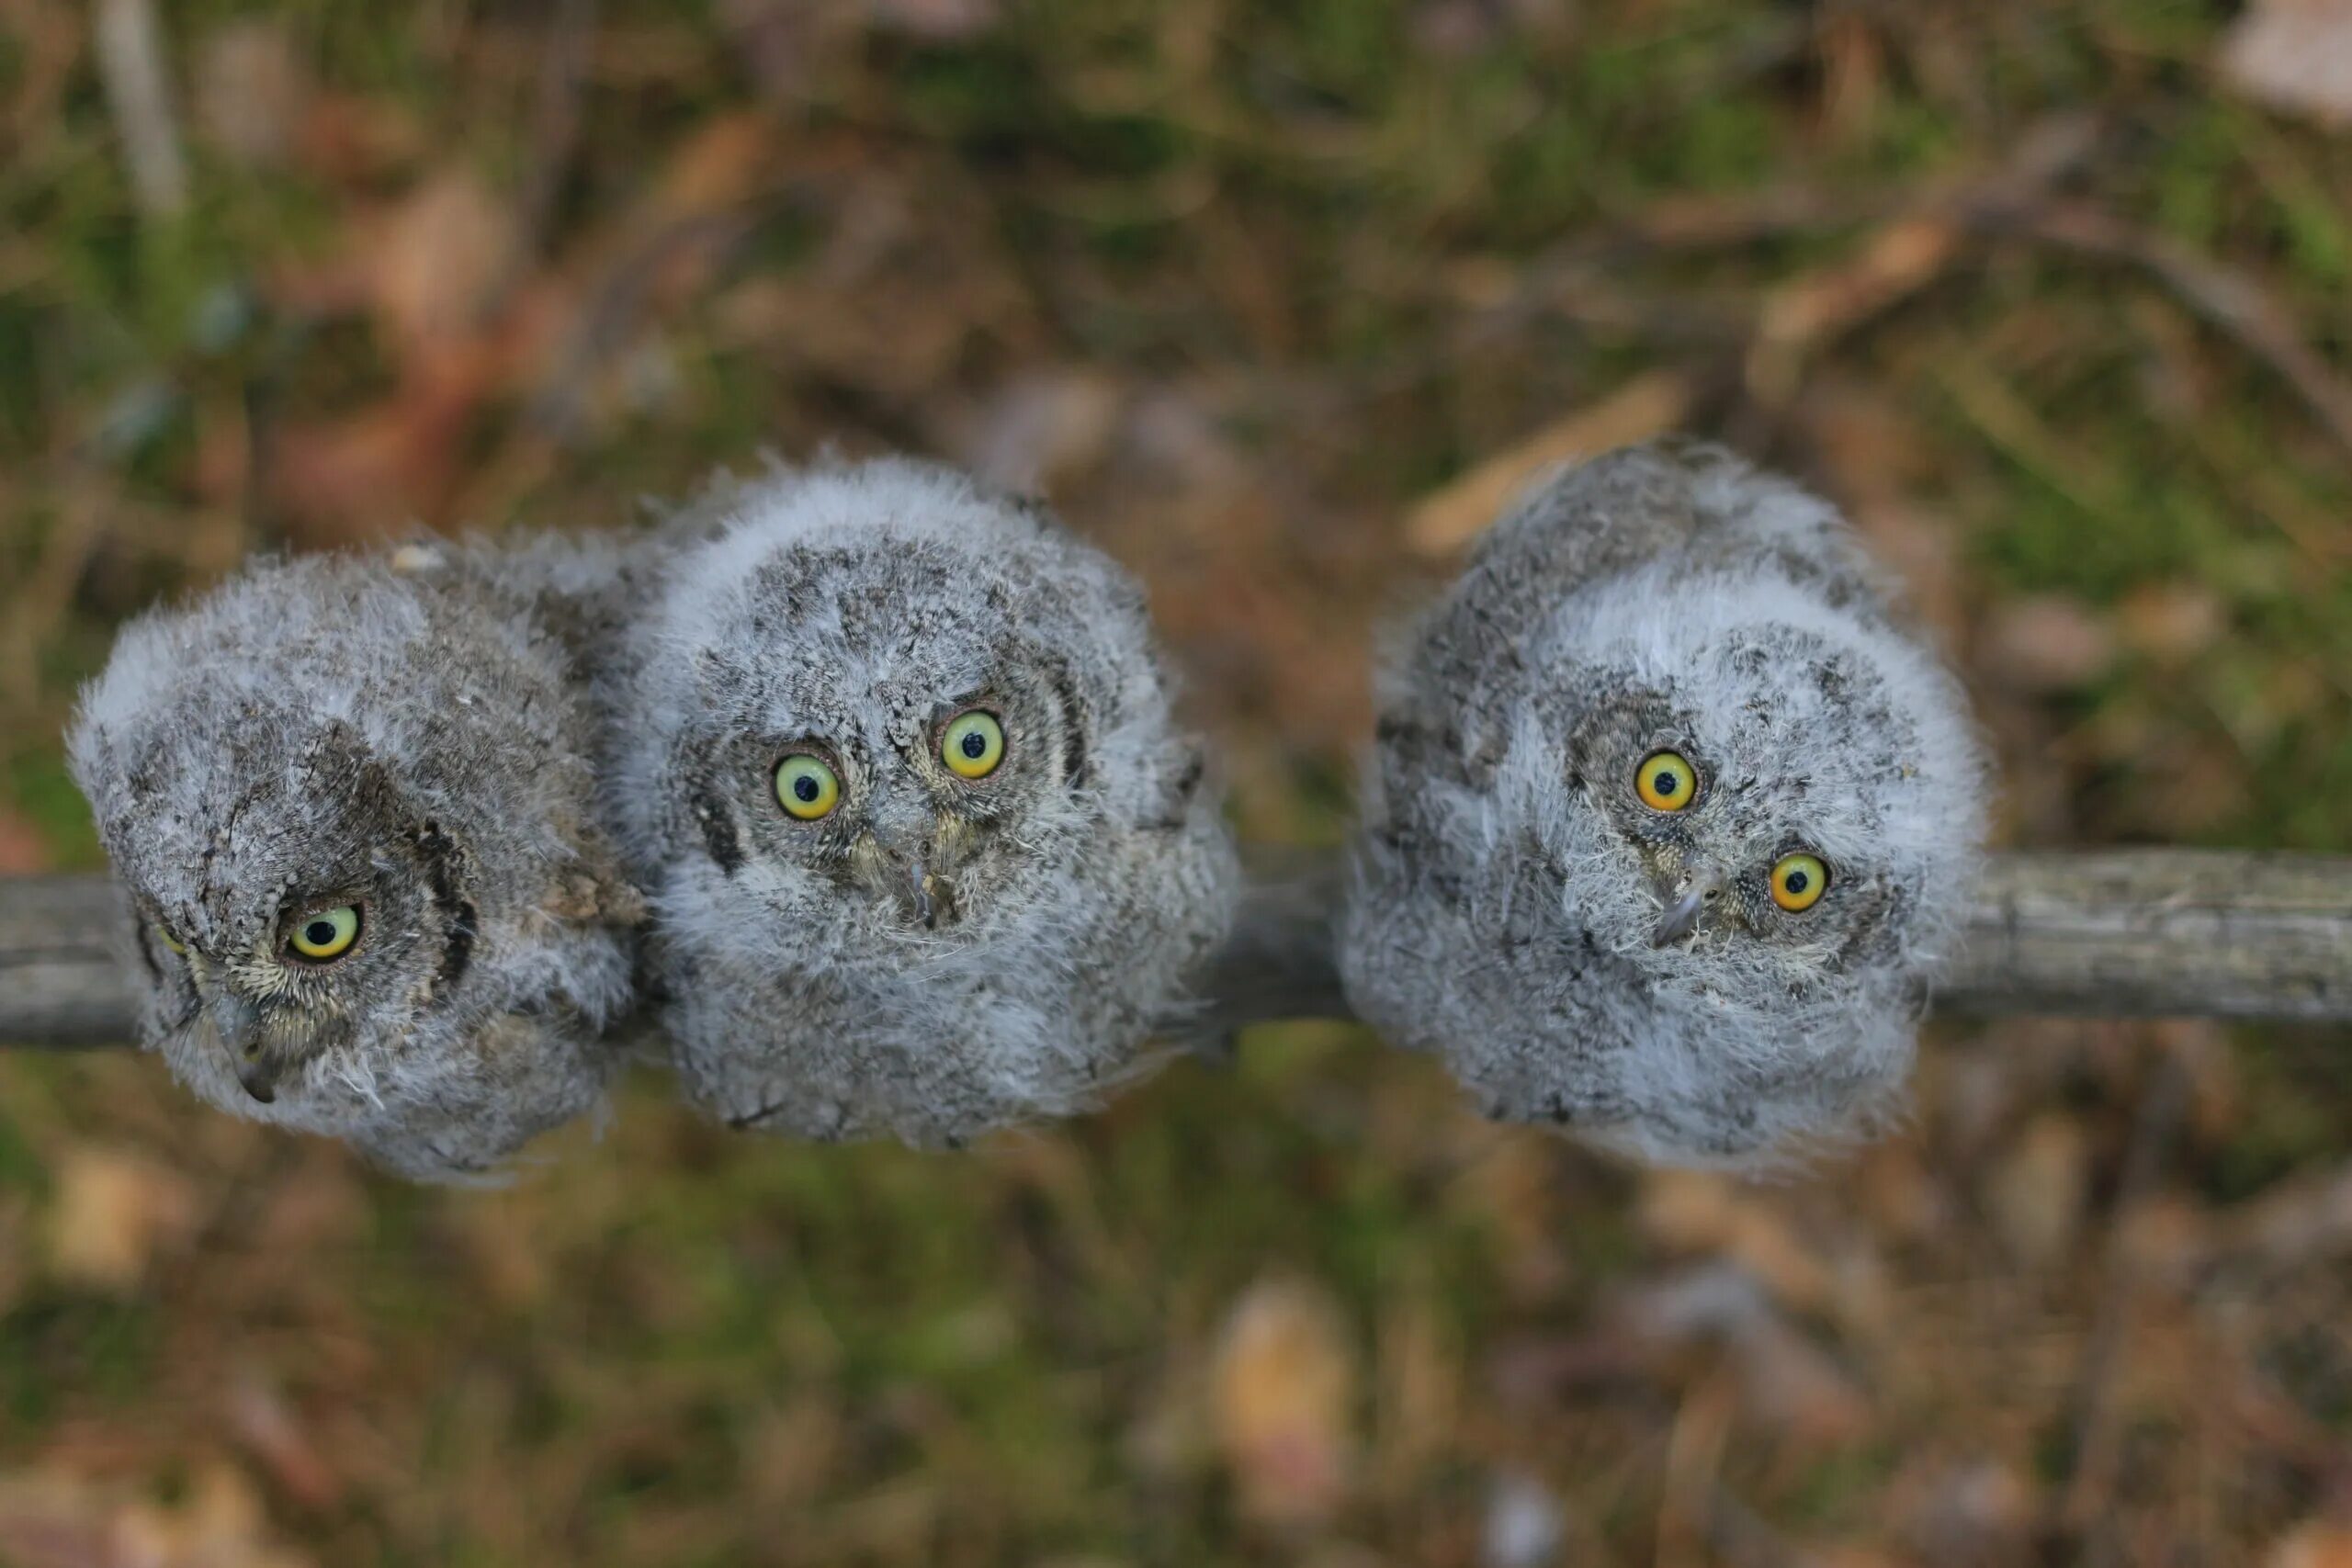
{"points": [[1669, 818], [927, 851], [350, 804]]}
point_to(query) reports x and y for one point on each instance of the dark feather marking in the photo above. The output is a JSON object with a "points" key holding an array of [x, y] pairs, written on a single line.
{"points": [[1187, 784], [441, 877], [718, 827], [1073, 728]]}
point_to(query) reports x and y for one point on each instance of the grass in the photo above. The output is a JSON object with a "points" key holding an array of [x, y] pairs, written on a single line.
{"points": [[1259, 254]]}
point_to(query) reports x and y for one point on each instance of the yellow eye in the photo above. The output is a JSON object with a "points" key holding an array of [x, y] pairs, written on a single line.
{"points": [[1798, 883], [171, 943], [805, 787], [1666, 782], [325, 934], [973, 745]]}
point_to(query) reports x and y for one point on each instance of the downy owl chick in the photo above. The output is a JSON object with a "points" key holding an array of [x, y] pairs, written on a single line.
{"points": [[350, 804], [1669, 818], [928, 853]]}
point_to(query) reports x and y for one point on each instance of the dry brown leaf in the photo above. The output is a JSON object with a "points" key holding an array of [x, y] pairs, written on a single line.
{"points": [[1789, 1386], [435, 258], [1039, 432], [1921, 549], [348, 138], [1646, 406], [1523, 1526], [1454, 29], [1418, 1383], [1283, 1389], [1873, 447], [52, 1521], [1785, 1383], [24, 848], [792, 1453], [2035, 1194], [252, 91], [935, 21], [113, 1213], [2295, 56], [277, 1437], [721, 164], [2315, 1545], [395, 461], [2300, 1222], [1799, 315], [1703, 1212], [1966, 1512], [2171, 623], [2045, 643]]}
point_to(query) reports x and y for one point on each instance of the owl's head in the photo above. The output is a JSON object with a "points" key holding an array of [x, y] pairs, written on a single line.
{"points": [[887, 707], [297, 912], [1765, 798], [292, 780], [1672, 819], [1754, 814]]}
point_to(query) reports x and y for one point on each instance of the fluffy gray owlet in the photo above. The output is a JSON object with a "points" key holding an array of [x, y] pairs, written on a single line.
{"points": [[927, 851], [350, 803], [1669, 818]]}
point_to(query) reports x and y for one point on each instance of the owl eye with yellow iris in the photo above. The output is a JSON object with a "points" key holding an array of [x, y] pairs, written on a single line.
{"points": [[1666, 781], [172, 944], [806, 787], [324, 935], [972, 745], [1798, 882]]}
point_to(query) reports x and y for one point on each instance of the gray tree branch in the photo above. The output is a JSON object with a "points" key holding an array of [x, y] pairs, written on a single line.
{"points": [[2119, 933]]}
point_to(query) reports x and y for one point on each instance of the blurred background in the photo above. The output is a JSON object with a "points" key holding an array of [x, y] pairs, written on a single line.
{"points": [[1275, 301]]}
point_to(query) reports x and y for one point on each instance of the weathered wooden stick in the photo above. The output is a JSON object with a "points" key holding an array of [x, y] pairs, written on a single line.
{"points": [[2118, 933], [60, 975], [2122, 933]]}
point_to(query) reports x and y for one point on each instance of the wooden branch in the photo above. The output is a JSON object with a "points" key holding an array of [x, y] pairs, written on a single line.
{"points": [[2116, 933], [60, 977]]}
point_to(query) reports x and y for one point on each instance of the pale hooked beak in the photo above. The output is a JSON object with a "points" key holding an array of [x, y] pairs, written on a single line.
{"points": [[928, 897], [238, 1023], [925, 911], [1681, 918]]}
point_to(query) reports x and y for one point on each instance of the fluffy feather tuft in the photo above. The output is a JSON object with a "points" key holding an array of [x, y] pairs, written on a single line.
{"points": [[1509, 907], [401, 736], [938, 955]]}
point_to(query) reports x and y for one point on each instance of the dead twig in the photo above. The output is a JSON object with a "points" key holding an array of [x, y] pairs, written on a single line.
{"points": [[2120, 933], [131, 63], [555, 140], [1644, 407], [2094, 1426], [2232, 302]]}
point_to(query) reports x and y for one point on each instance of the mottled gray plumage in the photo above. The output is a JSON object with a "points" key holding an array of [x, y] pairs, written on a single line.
{"points": [[936, 956], [397, 738], [1584, 959]]}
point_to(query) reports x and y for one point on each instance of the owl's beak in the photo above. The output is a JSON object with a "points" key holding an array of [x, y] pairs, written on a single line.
{"points": [[928, 897], [1681, 918], [238, 1023], [260, 1078], [925, 911], [900, 866]]}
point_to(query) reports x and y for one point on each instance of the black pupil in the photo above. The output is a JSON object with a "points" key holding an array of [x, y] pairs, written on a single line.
{"points": [[1665, 782], [1796, 882], [804, 789], [975, 744], [320, 932]]}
